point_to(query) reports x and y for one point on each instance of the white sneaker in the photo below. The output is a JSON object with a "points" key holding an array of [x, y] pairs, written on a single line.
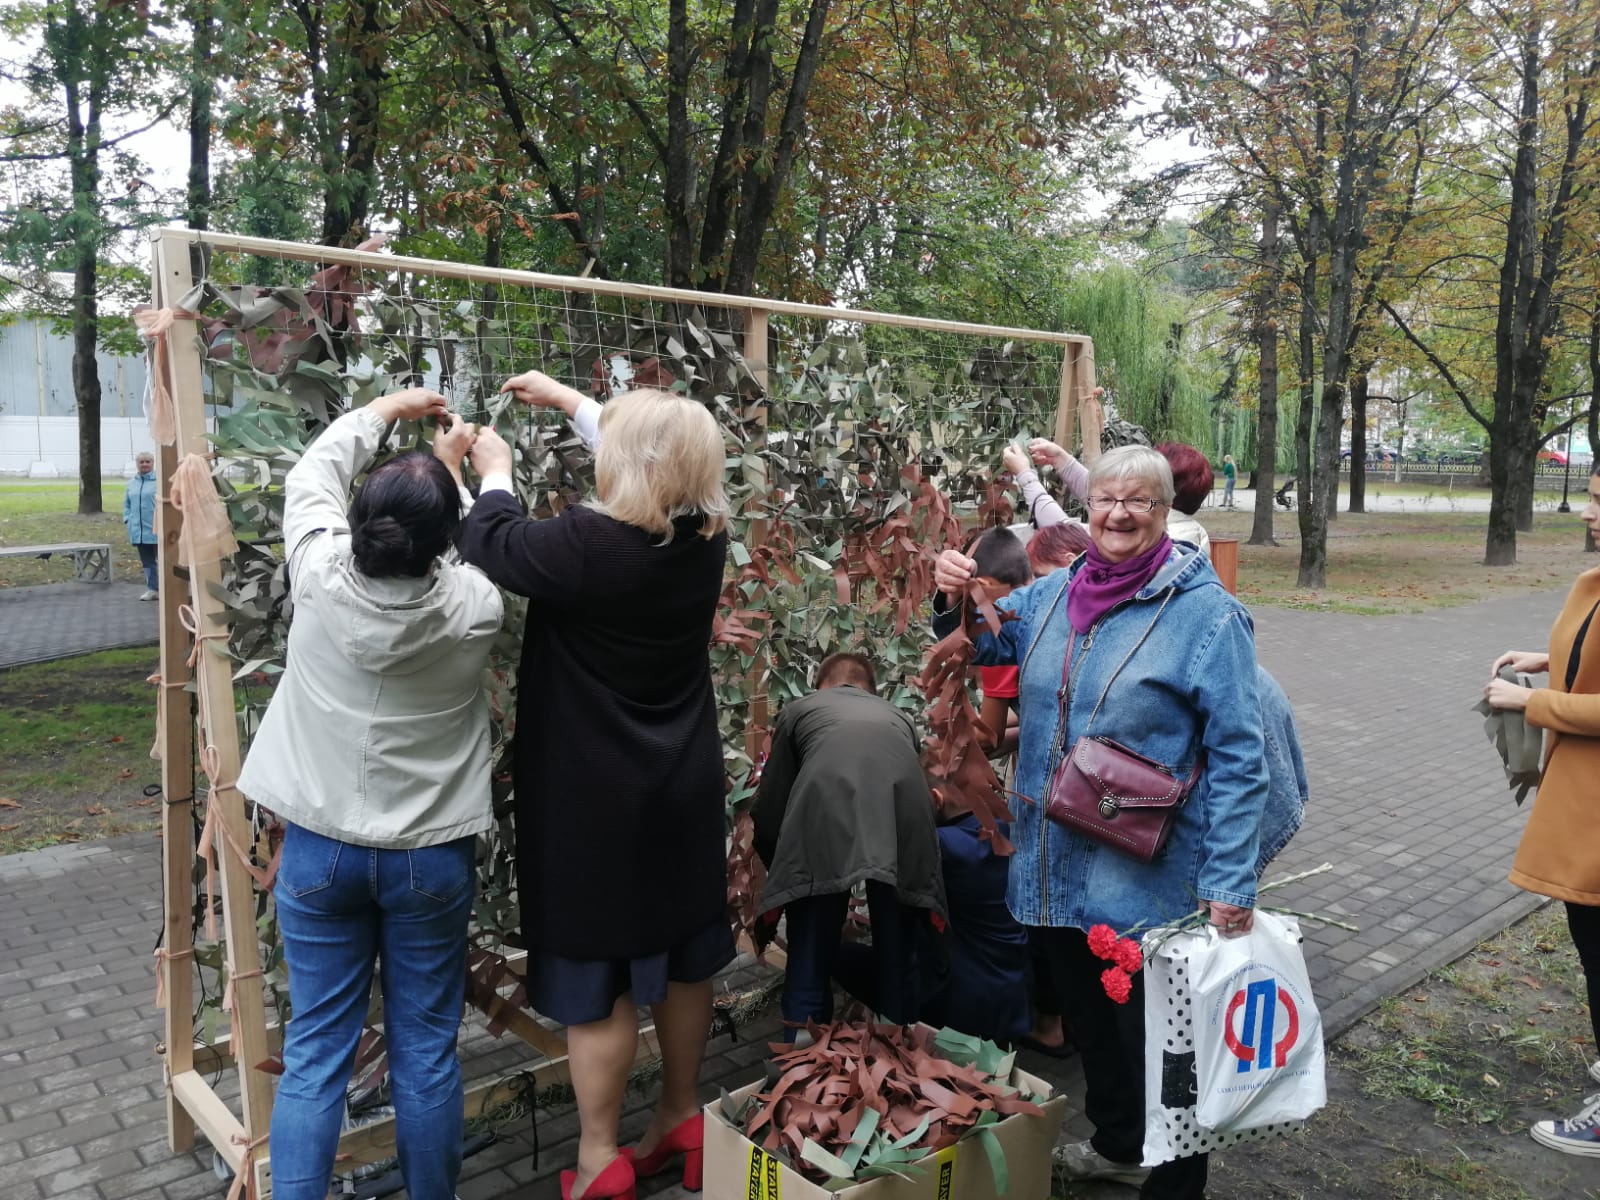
{"points": [[1578, 1135], [1081, 1160], [1594, 1070], [150, 595]]}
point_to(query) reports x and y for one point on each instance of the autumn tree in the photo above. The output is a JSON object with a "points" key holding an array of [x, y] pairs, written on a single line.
{"points": [[92, 75], [1511, 259], [762, 143], [1317, 108]]}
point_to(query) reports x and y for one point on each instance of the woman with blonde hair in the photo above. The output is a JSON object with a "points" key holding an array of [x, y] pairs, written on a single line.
{"points": [[619, 777]]}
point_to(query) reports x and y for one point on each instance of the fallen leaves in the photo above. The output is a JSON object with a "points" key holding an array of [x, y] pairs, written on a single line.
{"points": [[7, 802]]}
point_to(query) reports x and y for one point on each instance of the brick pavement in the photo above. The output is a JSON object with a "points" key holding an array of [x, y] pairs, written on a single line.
{"points": [[57, 620], [1408, 803]]}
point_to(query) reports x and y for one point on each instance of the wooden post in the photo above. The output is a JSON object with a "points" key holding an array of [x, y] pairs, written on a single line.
{"points": [[1067, 399], [175, 728], [1084, 385], [219, 728], [755, 357]]}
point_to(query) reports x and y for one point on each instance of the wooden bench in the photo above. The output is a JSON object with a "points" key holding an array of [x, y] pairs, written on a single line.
{"points": [[91, 561]]}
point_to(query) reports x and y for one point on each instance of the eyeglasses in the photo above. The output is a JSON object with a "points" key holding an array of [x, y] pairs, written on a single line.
{"points": [[1138, 504]]}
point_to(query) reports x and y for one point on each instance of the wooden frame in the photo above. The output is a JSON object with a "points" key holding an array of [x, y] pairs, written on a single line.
{"points": [[200, 701]]}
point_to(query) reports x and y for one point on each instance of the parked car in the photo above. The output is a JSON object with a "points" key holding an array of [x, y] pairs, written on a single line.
{"points": [[1557, 457]]}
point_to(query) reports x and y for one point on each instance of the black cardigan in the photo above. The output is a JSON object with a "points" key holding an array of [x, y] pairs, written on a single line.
{"points": [[619, 776]]}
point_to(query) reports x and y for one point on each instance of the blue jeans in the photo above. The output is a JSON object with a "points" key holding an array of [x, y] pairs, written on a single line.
{"points": [[340, 906], [147, 563]]}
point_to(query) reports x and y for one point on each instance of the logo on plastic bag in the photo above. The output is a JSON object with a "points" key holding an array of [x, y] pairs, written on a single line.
{"points": [[1258, 1042]]}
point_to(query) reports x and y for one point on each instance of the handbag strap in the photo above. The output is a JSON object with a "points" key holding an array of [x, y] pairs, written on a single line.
{"points": [[1064, 696], [1577, 647]]}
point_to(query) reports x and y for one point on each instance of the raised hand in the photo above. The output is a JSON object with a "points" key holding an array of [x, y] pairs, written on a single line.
{"points": [[410, 404], [490, 454], [452, 442], [538, 390], [952, 572]]}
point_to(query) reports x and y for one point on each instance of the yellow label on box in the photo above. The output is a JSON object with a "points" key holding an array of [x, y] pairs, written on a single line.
{"points": [[763, 1176], [944, 1171]]}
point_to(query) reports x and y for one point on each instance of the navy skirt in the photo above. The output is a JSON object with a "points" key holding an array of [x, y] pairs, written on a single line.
{"points": [[576, 991]]}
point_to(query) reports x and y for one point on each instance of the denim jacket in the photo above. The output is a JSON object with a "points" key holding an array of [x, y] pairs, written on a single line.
{"points": [[1287, 790], [1188, 683]]}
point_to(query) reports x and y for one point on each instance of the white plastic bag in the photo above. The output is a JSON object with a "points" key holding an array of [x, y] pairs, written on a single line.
{"points": [[1258, 1034], [1209, 1080]]}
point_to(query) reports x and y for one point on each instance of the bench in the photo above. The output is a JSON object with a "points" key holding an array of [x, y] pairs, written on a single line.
{"points": [[91, 561]]}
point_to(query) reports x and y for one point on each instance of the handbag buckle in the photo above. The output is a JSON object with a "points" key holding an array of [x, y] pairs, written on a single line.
{"points": [[1108, 807]]}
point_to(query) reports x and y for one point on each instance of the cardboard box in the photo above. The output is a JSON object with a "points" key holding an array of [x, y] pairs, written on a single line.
{"points": [[737, 1169]]}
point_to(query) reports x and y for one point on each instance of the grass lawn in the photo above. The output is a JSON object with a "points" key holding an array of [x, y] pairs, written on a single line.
{"points": [[77, 736], [1403, 562], [33, 514]]}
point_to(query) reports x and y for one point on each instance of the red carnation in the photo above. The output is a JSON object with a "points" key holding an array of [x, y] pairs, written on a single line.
{"points": [[1128, 956], [1103, 941], [1118, 984]]}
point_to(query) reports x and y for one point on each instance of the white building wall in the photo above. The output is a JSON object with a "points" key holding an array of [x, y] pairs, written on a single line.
{"points": [[38, 411]]}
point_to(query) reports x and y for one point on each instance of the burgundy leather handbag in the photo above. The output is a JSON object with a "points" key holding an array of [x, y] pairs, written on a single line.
{"points": [[1113, 794], [1118, 797]]}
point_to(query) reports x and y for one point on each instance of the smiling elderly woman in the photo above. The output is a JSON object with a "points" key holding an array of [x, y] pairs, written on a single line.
{"points": [[1162, 661]]}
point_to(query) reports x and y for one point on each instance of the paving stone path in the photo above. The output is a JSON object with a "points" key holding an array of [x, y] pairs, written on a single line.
{"points": [[57, 620], [1408, 804]]}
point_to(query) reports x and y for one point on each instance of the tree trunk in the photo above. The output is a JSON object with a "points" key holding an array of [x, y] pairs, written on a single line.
{"points": [[758, 204], [1358, 441], [1267, 403], [197, 204], [680, 239], [1312, 514], [83, 153], [1500, 549], [349, 148]]}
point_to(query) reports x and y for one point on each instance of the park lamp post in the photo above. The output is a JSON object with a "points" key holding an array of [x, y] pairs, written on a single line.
{"points": [[1566, 462]]}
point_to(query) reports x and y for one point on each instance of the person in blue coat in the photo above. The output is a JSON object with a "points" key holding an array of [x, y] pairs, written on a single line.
{"points": [[139, 515], [979, 984], [1162, 661]]}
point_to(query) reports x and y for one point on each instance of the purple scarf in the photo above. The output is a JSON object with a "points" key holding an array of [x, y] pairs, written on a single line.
{"points": [[1099, 585]]}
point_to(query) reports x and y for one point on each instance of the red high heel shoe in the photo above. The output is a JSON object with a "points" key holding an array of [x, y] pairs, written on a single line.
{"points": [[616, 1182], [688, 1139]]}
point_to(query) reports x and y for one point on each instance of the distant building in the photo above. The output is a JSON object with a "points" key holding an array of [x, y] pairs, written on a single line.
{"points": [[38, 411]]}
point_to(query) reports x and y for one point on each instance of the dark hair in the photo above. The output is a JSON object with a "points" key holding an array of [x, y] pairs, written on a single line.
{"points": [[1001, 556], [404, 516], [837, 670], [1056, 545], [1192, 477]]}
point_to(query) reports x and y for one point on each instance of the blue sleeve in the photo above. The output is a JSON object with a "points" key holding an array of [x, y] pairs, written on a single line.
{"points": [[1005, 648], [127, 502], [1224, 687]]}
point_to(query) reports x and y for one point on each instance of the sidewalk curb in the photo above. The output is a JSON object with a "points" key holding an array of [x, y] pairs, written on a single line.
{"points": [[1342, 1014]]}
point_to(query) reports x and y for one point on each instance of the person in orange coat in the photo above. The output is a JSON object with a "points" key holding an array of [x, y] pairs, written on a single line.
{"points": [[1559, 855]]}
